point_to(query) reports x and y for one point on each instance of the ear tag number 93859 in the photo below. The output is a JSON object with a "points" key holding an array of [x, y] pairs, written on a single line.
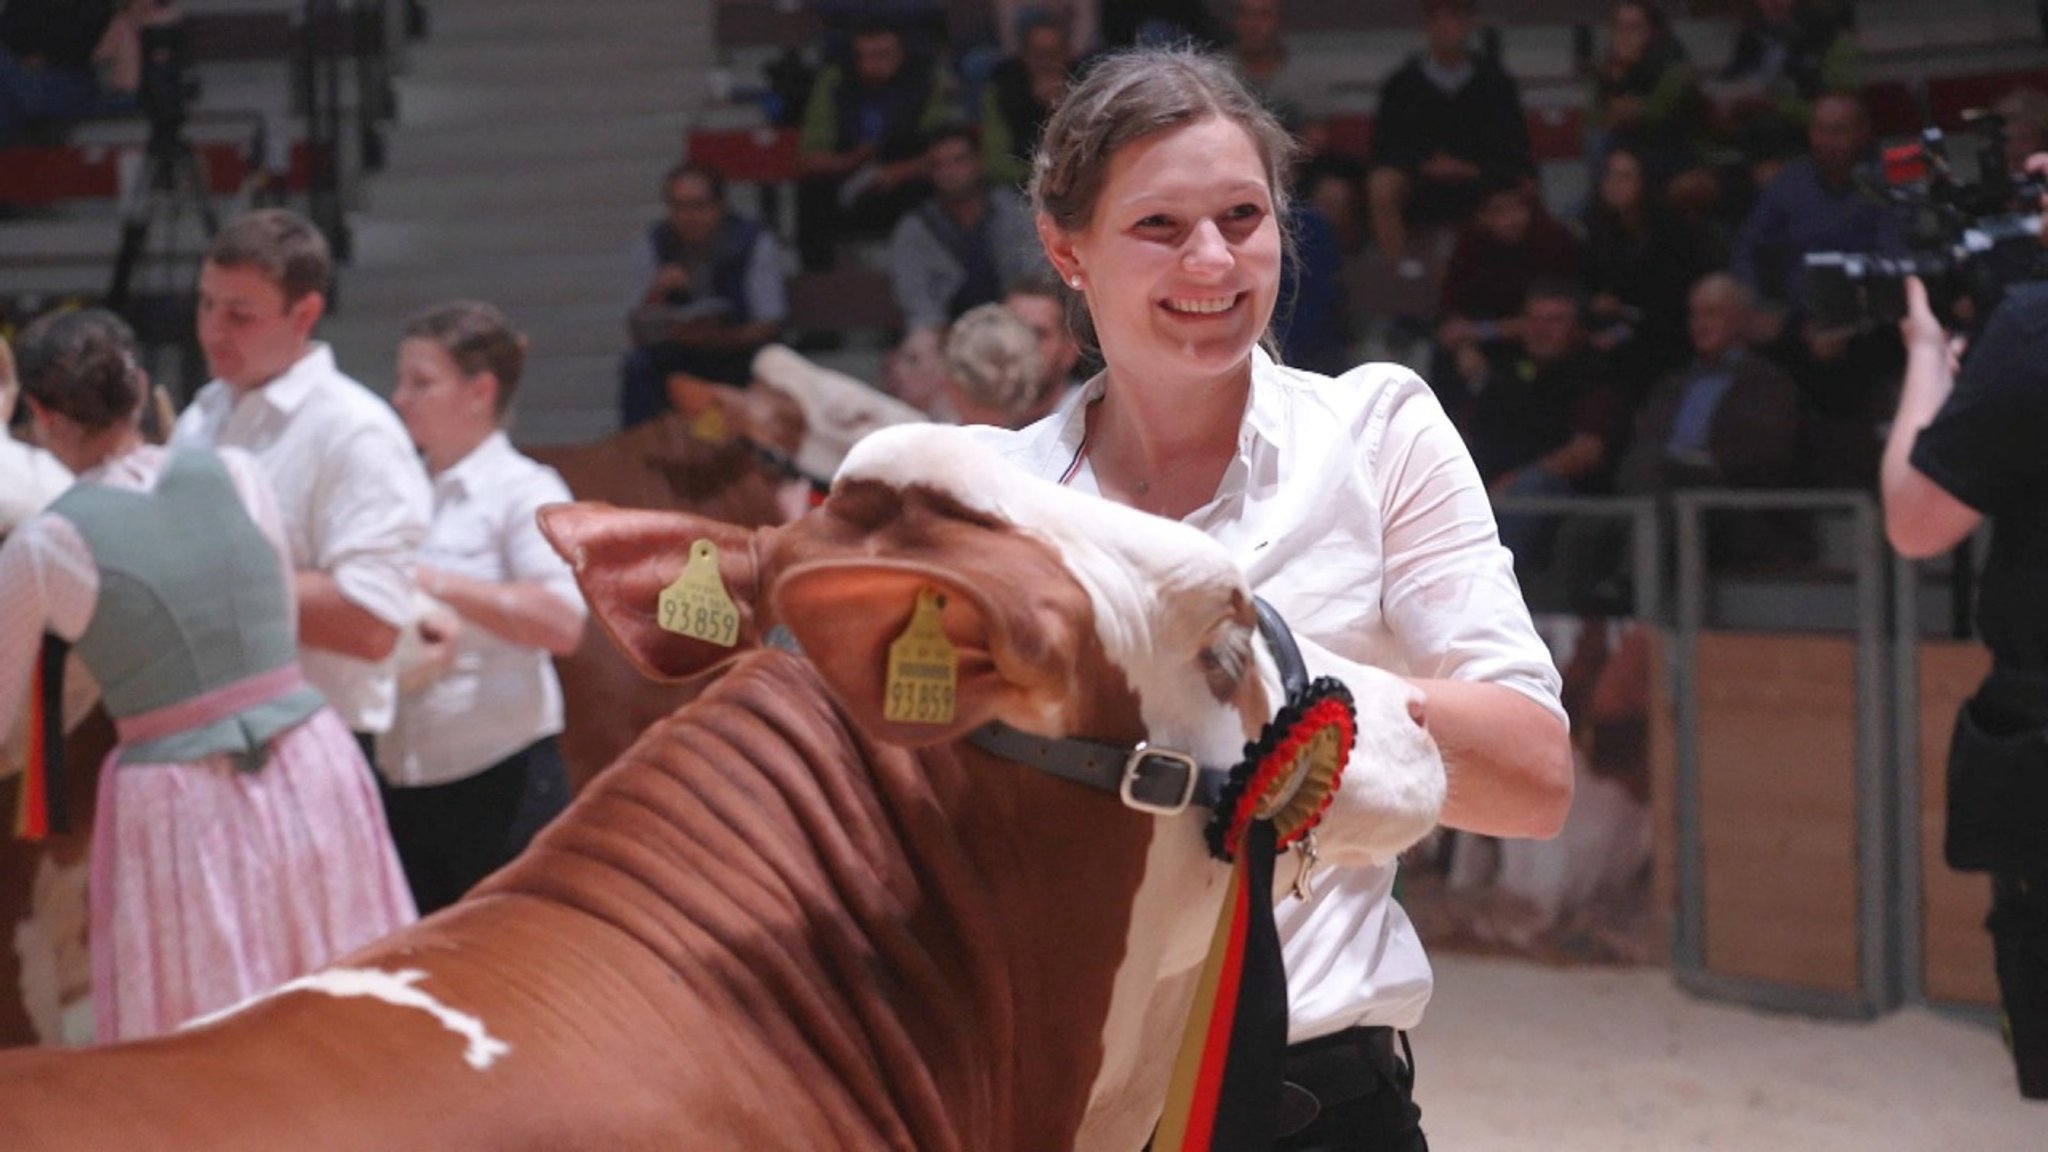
{"points": [[923, 670], [696, 605]]}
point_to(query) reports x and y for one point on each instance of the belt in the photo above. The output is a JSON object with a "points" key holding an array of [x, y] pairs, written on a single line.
{"points": [[1334, 1070]]}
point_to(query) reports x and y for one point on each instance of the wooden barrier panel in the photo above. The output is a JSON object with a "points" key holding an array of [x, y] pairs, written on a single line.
{"points": [[1777, 746], [1955, 949]]}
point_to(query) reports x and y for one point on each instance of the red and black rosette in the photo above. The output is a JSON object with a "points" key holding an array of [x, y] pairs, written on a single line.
{"points": [[1288, 774]]}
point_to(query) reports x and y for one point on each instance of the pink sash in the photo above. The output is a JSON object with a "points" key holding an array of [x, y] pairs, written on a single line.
{"points": [[208, 707]]}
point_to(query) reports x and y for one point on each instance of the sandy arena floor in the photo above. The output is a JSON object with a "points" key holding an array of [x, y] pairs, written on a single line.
{"points": [[1526, 1057]]}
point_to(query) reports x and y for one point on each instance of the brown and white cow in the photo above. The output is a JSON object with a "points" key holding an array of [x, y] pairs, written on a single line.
{"points": [[783, 920]]}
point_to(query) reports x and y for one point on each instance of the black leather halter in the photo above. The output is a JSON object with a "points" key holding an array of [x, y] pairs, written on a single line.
{"points": [[1145, 777]]}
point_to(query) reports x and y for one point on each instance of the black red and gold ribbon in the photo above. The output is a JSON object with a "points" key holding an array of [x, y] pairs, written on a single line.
{"points": [[1225, 1088], [42, 809]]}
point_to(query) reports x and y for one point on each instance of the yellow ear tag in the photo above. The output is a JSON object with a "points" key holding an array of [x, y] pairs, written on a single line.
{"points": [[709, 425], [923, 671], [696, 605]]}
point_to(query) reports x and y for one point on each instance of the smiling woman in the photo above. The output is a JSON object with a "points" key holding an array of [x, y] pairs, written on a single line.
{"points": [[1352, 504]]}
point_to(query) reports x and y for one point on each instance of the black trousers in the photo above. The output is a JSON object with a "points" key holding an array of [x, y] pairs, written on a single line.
{"points": [[2019, 940], [1355, 1092], [449, 836]]}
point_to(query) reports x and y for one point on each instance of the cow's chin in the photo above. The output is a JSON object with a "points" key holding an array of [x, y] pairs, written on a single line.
{"points": [[1171, 922]]}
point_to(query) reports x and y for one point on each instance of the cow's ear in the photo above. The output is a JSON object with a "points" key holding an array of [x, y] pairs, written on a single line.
{"points": [[846, 614], [624, 558]]}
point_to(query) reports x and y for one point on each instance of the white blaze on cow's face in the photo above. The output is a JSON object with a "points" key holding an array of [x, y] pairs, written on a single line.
{"points": [[1171, 607]]}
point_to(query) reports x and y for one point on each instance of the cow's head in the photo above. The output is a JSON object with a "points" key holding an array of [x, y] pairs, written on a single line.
{"points": [[1033, 577], [838, 410]]}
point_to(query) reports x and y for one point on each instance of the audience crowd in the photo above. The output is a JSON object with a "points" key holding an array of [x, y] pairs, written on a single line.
{"points": [[1560, 327]]}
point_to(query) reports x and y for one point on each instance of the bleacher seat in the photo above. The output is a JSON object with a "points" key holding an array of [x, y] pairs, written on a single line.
{"points": [[46, 176], [761, 155]]}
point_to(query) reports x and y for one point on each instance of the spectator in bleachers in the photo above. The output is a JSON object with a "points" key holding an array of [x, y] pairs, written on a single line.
{"points": [[2025, 110], [237, 842], [1647, 96], [962, 245], [1639, 262], [1450, 119], [29, 476], [1540, 413], [860, 157], [1511, 242], [1787, 53], [1036, 299], [471, 763], [993, 371], [353, 495], [64, 60], [1159, 22], [1080, 20], [1816, 205], [1259, 51], [1021, 91], [711, 294], [1312, 319], [1732, 418], [923, 23]]}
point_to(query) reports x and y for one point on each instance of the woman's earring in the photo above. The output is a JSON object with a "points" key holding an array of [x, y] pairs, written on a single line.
{"points": [[1074, 282]]}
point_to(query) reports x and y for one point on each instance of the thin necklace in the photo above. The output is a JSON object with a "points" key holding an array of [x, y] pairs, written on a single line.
{"points": [[1140, 487]]}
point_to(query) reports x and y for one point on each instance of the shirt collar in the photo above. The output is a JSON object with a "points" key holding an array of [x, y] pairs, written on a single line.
{"points": [[289, 391], [1065, 432], [472, 472]]}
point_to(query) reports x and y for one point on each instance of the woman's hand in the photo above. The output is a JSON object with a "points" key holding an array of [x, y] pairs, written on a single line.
{"points": [[1919, 328]]}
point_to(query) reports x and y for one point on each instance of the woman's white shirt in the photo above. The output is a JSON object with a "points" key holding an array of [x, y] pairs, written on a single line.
{"points": [[29, 479], [1356, 511], [498, 697]]}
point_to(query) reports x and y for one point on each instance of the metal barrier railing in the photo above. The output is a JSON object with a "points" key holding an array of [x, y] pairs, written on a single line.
{"points": [[1909, 624], [1880, 823], [1891, 610], [1875, 812], [1644, 528]]}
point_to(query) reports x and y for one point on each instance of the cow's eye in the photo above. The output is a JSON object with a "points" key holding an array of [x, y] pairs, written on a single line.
{"points": [[1223, 665]]}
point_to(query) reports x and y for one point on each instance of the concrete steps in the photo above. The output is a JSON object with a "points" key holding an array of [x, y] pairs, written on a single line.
{"points": [[525, 163]]}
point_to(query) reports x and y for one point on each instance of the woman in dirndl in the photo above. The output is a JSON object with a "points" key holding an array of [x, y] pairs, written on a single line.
{"points": [[238, 839]]}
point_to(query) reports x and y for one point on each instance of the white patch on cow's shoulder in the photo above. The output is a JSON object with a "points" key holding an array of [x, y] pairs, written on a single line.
{"points": [[398, 989]]}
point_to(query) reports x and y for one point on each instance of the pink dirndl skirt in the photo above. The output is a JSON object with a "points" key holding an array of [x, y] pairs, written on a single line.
{"points": [[212, 885]]}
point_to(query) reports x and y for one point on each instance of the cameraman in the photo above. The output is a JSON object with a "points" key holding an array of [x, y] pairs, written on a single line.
{"points": [[1963, 448]]}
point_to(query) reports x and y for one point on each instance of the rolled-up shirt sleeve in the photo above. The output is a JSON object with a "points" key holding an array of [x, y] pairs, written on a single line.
{"points": [[369, 519], [1449, 589]]}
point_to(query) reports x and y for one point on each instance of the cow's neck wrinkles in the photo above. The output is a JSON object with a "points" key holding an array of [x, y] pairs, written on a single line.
{"points": [[923, 919]]}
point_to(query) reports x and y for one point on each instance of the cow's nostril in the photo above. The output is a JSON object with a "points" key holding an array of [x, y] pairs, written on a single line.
{"points": [[1417, 713]]}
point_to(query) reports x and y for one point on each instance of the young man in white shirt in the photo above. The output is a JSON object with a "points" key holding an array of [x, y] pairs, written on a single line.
{"points": [[353, 493]]}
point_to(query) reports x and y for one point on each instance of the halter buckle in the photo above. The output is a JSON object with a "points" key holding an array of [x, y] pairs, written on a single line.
{"points": [[1149, 783]]}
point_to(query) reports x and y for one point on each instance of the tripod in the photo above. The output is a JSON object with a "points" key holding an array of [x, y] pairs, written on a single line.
{"points": [[172, 188], [172, 181]]}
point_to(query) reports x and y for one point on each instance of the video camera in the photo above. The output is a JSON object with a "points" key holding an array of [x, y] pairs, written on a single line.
{"points": [[1972, 229], [167, 86]]}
